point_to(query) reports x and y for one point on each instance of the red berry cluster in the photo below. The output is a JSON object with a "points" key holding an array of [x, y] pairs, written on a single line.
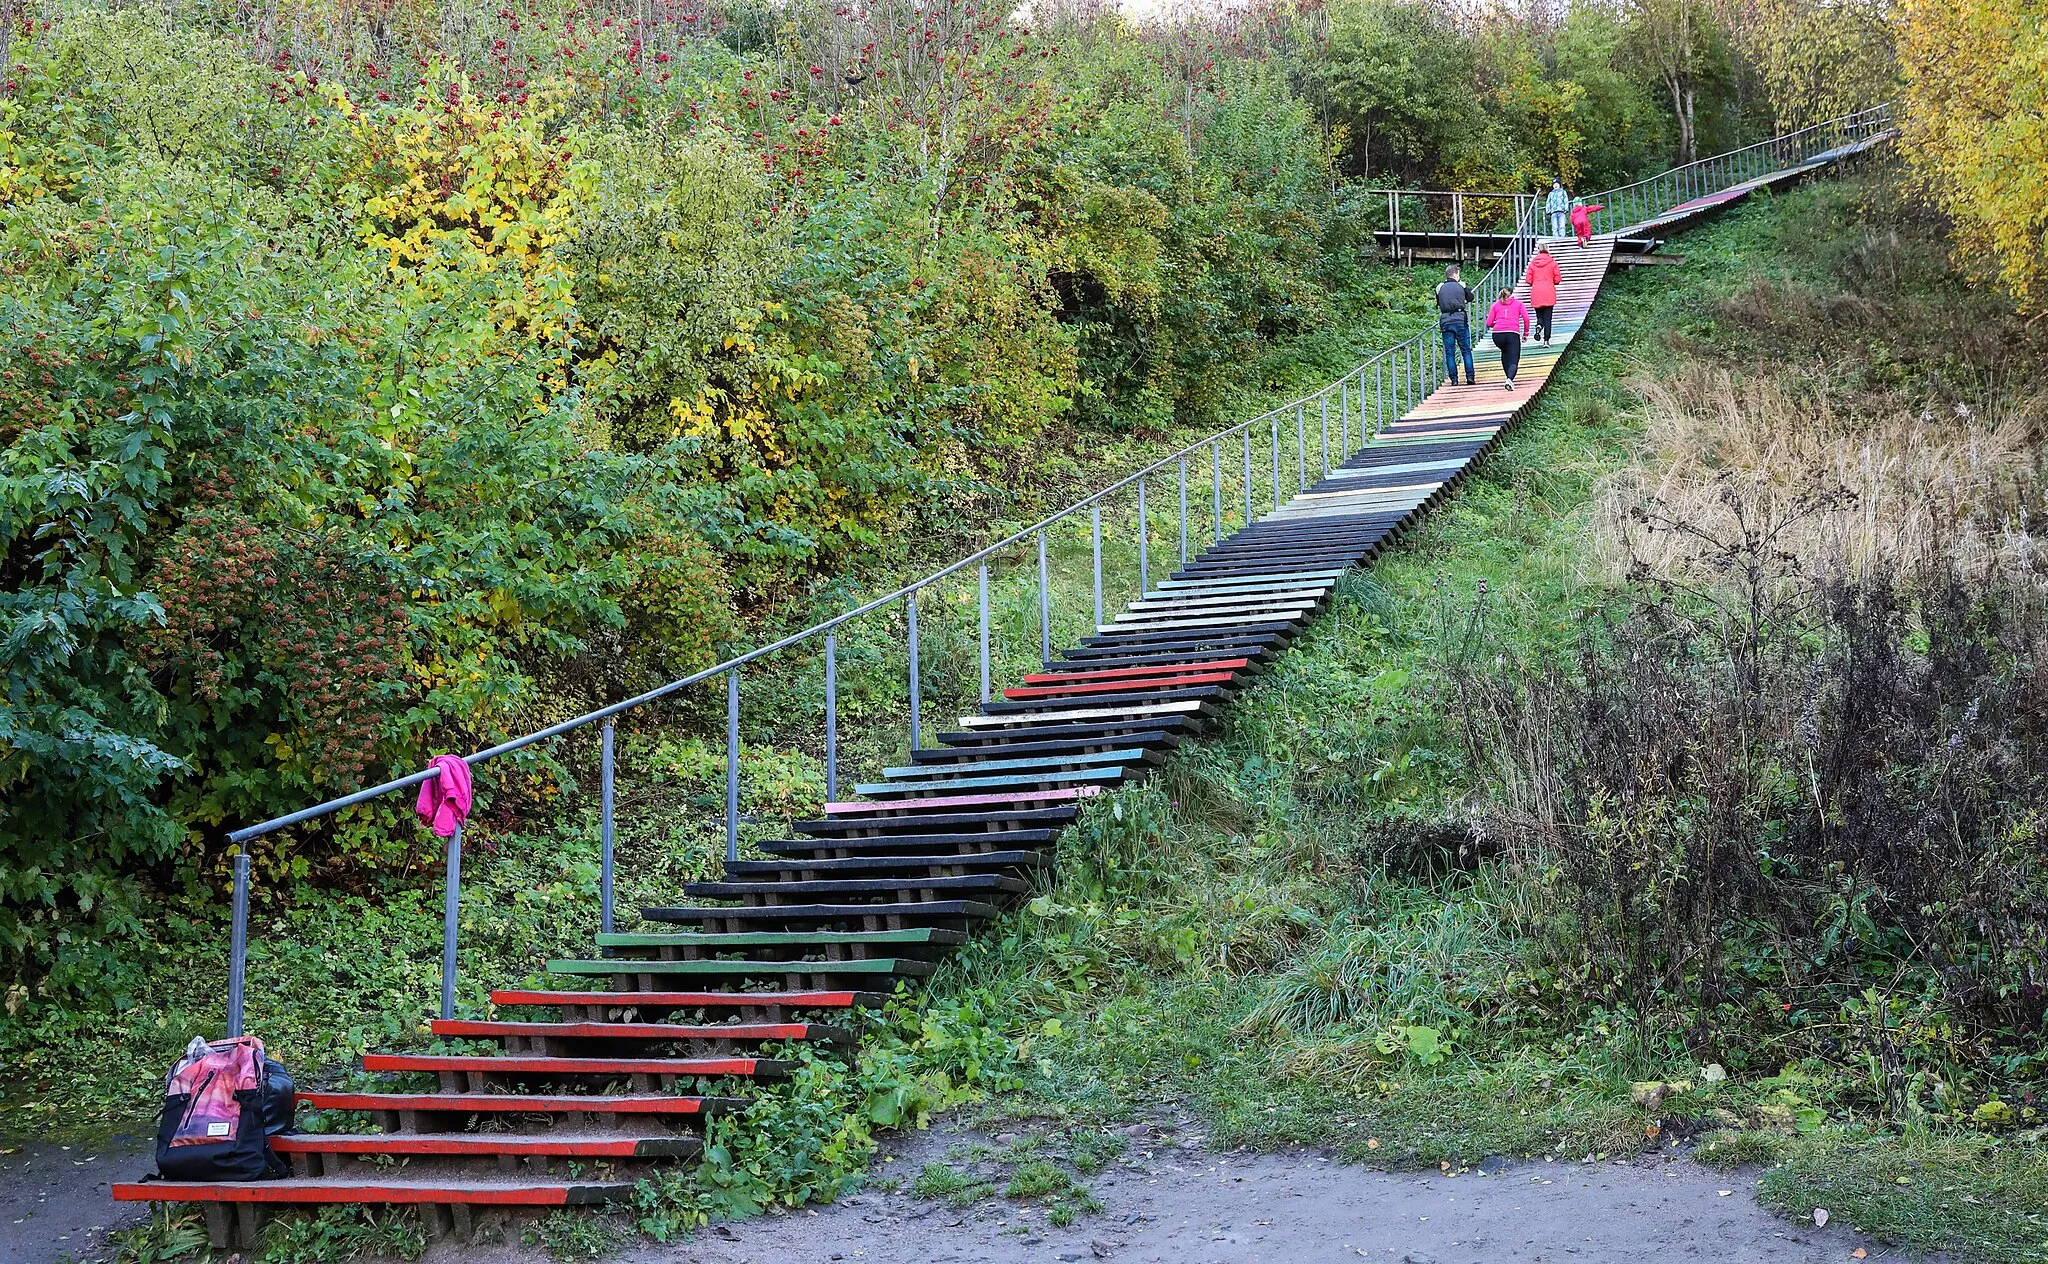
{"points": [[290, 623]]}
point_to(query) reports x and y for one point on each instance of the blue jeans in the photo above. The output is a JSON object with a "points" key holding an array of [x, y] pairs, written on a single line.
{"points": [[1457, 338]]}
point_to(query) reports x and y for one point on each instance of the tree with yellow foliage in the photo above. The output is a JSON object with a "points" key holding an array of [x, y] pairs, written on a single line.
{"points": [[1975, 127]]}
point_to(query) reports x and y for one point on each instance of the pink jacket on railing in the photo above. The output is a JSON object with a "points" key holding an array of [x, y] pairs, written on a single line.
{"points": [[1508, 315]]}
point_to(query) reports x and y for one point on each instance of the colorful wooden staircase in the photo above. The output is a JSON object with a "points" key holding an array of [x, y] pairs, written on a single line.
{"points": [[592, 1082]]}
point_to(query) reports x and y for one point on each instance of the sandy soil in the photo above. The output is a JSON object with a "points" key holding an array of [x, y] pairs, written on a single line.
{"points": [[1172, 1202]]}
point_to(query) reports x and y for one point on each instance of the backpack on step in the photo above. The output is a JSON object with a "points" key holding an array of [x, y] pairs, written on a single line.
{"points": [[223, 1102]]}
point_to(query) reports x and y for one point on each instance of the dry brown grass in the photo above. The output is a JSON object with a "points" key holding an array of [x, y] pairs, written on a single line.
{"points": [[1867, 482]]}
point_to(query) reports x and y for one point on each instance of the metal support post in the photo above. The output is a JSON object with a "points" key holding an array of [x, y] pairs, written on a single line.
{"points": [[1095, 539], [1300, 449], [1144, 546], [981, 584], [1324, 402], [1044, 602], [604, 830], [732, 764], [1276, 462], [1216, 489], [238, 946], [916, 693], [1247, 476], [1183, 510], [832, 696], [451, 909]]}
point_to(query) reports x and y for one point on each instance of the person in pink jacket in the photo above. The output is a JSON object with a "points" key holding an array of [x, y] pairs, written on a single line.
{"points": [[1582, 221], [1508, 320], [1544, 277]]}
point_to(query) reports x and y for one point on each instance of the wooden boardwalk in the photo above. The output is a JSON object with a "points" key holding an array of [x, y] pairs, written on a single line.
{"points": [[598, 1077]]}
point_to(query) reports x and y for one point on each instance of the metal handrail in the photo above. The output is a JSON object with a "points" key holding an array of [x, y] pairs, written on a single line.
{"points": [[1402, 375]]}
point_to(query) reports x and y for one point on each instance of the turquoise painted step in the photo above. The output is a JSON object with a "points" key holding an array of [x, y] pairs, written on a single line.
{"points": [[877, 788], [1051, 761]]}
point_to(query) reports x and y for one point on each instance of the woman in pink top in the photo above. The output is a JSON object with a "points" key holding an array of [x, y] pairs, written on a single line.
{"points": [[1544, 276], [1508, 319]]}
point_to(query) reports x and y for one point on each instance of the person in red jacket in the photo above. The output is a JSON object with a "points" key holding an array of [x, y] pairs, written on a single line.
{"points": [[1544, 277], [1582, 221]]}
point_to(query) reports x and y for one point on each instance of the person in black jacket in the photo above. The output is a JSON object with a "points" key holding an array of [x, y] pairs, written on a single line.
{"points": [[1454, 318]]}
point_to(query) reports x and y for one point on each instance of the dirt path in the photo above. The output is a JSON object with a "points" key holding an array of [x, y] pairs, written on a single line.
{"points": [[1175, 1205], [53, 1198]]}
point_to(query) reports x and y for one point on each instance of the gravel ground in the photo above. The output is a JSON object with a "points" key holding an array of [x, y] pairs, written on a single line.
{"points": [[53, 1198]]}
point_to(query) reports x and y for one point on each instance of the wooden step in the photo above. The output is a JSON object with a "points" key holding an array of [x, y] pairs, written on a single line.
{"points": [[776, 938], [888, 863], [737, 1032], [736, 1000], [877, 887], [958, 784], [524, 1103], [788, 914], [720, 967], [993, 822], [1009, 763], [941, 845], [393, 1188], [544, 1067], [574, 1145]]}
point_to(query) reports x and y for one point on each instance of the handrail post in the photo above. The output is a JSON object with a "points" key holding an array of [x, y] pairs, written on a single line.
{"points": [[832, 696], [451, 910], [1247, 432], [1276, 462], [1044, 602], [1300, 448], [1216, 489], [238, 945], [1144, 545], [604, 829], [1325, 402], [1095, 538], [916, 694], [1344, 412], [981, 585], [1183, 509], [732, 765]]}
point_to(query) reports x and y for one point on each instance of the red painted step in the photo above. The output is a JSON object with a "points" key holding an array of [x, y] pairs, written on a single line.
{"points": [[524, 1104], [323, 1189], [695, 1000], [1119, 686], [1132, 673], [605, 1145], [520, 1064], [640, 1031]]}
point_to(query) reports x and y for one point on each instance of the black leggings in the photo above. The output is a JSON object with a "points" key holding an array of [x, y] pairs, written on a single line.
{"points": [[1543, 321], [1510, 344]]}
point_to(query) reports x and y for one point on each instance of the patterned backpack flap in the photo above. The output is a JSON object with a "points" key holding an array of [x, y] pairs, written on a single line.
{"points": [[210, 1078], [214, 1123]]}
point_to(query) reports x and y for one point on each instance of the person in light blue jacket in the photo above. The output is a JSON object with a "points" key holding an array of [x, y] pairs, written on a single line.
{"points": [[1558, 204]]}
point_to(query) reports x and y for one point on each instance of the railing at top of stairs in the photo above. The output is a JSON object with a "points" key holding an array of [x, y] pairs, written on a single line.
{"points": [[1270, 457]]}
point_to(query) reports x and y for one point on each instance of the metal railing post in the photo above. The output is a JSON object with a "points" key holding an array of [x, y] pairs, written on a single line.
{"points": [[1300, 448], [832, 699], [1144, 546], [1379, 396], [1044, 602], [1095, 538], [604, 829], [238, 946], [1247, 476], [451, 910], [981, 587], [1325, 409], [1344, 413], [1216, 489], [732, 764], [1183, 510], [916, 693], [1276, 462]]}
